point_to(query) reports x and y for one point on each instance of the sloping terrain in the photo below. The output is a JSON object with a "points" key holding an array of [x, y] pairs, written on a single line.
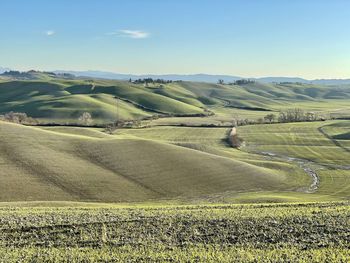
{"points": [[87, 165], [312, 146], [56, 99]]}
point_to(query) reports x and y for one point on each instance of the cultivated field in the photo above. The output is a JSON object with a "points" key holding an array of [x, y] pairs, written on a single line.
{"points": [[80, 164], [172, 188], [217, 233], [299, 149]]}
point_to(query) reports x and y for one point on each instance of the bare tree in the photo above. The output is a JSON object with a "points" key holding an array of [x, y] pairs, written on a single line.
{"points": [[295, 115], [85, 118], [19, 118], [292, 115], [235, 120], [270, 117], [110, 128], [16, 117], [311, 116], [260, 120], [282, 117]]}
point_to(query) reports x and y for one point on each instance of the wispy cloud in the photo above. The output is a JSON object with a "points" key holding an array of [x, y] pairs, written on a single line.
{"points": [[50, 33], [130, 33]]}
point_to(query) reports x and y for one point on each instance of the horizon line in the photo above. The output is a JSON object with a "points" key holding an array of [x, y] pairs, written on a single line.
{"points": [[178, 74]]}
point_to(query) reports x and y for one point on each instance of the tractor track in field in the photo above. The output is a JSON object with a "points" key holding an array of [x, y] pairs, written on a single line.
{"points": [[44, 174], [335, 142]]}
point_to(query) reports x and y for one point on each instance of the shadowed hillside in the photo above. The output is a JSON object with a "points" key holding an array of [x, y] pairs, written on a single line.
{"points": [[84, 164], [53, 98]]}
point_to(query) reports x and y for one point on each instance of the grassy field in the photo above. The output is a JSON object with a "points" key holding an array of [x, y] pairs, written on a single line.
{"points": [[172, 193], [217, 233], [53, 99], [293, 148], [308, 142], [77, 164], [177, 164]]}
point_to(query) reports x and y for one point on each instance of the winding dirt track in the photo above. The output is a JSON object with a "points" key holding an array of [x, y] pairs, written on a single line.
{"points": [[306, 165]]}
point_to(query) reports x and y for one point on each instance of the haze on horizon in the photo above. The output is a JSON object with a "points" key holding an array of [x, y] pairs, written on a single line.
{"points": [[253, 38]]}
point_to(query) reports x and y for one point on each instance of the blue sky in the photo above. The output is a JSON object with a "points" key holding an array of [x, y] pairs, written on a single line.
{"points": [[251, 38]]}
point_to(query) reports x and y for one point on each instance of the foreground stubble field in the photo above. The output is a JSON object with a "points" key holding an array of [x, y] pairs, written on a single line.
{"points": [[306, 232]]}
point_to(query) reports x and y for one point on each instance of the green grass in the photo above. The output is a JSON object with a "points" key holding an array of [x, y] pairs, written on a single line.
{"points": [[213, 141], [294, 140], [305, 141], [62, 100], [300, 140], [339, 131], [71, 164], [178, 164], [110, 233], [167, 194]]}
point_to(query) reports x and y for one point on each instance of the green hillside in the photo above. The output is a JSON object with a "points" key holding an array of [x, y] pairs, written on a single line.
{"points": [[279, 162], [180, 192], [76, 164], [52, 98], [312, 146], [298, 149]]}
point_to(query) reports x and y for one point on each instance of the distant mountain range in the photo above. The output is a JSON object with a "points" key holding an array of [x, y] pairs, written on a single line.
{"points": [[200, 77], [192, 77]]}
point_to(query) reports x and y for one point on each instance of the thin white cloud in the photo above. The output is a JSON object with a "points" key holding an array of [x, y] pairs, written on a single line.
{"points": [[50, 32], [137, 34]]}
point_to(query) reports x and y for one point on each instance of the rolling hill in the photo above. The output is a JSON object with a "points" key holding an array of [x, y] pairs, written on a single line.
{"points": [[159, 163], [77, 164], [62, 99], [166, 163]]}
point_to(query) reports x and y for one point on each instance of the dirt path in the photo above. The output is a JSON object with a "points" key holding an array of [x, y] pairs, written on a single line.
{"points": [[308, 166]]}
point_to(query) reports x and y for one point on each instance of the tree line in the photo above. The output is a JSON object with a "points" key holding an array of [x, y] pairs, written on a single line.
{"points": [[150, 80], [19, 118], [237, 82], [293, 115]]}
